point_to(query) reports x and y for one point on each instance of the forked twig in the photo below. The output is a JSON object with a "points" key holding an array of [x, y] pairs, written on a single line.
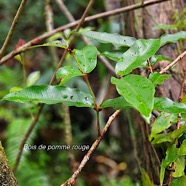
{"points": [[73, 178]]}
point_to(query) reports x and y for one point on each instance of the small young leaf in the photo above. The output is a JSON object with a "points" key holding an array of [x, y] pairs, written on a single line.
{"points": [[136, 55], [161, 138], [52, 95], [180, 167], [156, 58], [172, 38], [163, 122], [86, 58], [138, 91], [171, 155], [157, 78], [115, 56], [32, 78], [178, 133], [116, 103], [57, 43], [115, 39], [167, 105], [67, 72], [182, 149]]}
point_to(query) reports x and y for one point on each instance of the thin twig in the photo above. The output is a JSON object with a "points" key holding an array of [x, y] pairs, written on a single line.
{"points": [[173, 63], [70, 25], [73, 178], [12, 28], [65, 11]]}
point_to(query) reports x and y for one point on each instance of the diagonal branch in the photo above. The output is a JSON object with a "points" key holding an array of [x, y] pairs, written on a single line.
{"points": [[70, 25], [75, 175]]}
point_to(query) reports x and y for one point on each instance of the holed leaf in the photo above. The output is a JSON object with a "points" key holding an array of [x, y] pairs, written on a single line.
{"points": [[138, 91], [86, 58], [167, 105], [51, 95], [136, 55], [115, 39], [67, 72]]}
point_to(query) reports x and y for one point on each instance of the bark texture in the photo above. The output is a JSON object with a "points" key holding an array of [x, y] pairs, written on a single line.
{"points": [[6, 174]]}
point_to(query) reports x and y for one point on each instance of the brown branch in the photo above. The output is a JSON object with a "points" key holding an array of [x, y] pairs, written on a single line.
{"points": [[12, 28], [70, 25], [173, 63], [75, 175]]}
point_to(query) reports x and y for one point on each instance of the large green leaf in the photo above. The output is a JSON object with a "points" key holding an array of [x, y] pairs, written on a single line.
{"points": [[172, 38], [115, 39], [86, 58], [167, 105], [163, 122], [67, 72], [116, 103], [158, 78], [136, 55], [138, 91], [51, 95]]}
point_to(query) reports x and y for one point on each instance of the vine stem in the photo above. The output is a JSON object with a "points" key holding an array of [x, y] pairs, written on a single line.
{"points": [[72, 179], [12, 28], [70, 25]]}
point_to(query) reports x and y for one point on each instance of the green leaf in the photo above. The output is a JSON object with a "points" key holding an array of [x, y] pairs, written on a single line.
{"points": [[172, 38], [115, 56], [182, 149], [162, 138], [165, 27], [156, 78], [156, 58], [67, 72], [58, 43], [167, 105], [171, 155], [181, 181], [136, 55], [163, 122], [115, 39], [178, 133], [51, 95], [86, 58], [138, 91], [32, 78], [146, 181], [116, 103], [180, 167]]}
